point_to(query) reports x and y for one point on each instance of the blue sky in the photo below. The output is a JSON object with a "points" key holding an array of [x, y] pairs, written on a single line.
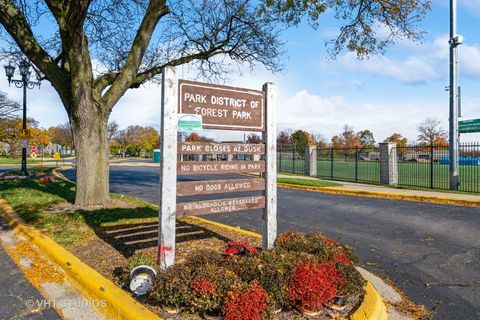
{"points": [[385, 94]]}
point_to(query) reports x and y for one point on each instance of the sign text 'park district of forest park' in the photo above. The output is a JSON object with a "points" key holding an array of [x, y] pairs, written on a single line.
{"points": [[223, 108]]}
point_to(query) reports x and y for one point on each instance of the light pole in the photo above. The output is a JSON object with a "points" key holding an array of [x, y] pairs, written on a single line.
{"points": [[454, 41], [25, 83]]}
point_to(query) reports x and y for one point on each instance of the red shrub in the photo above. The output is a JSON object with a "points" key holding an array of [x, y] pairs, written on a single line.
{"points": [[314, 284], [239, 248], [203, 287], [44, 180], [341, 258], [248, 302], [329, 241]]}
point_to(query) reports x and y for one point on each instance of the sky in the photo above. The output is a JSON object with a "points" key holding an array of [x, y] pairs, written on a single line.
{"points": [[385, 94]]}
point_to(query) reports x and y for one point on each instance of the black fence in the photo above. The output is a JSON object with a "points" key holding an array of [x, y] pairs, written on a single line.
{"points": [[428, 167], [349, 164], [418, 166], [291, 160]]}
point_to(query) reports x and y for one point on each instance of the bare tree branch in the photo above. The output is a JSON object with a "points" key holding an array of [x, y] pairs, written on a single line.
{"points": [[19, 29], [155, 11]]}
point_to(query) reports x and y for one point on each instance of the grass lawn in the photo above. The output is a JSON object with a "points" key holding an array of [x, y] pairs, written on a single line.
{"points": [[410, 174], [308, 182], [4, 160], [18, 161], [32, 201]]}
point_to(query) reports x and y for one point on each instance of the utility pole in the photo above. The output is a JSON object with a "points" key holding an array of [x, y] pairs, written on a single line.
{"points": [[454, 42]]}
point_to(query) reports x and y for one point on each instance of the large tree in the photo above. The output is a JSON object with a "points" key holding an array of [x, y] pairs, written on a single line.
{"points": [[283, 140], [366, 139], [431, 132], [101, 48], [61, 135], [8, 108], [348, 142], [401, 142]]}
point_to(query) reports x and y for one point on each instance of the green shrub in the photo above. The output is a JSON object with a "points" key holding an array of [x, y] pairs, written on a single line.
{"points": [[141, 259], [204, 257], [210, 286], [245, 267], [275, 282], [172, 287], [354, 283]]}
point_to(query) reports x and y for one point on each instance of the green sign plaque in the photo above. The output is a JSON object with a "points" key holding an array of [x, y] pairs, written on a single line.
{"points": [[189, 122], [469, 126]]}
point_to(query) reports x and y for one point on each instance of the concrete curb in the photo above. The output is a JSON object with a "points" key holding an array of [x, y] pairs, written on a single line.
{"points": [[383, 195], [119, 305], [372, 306]]}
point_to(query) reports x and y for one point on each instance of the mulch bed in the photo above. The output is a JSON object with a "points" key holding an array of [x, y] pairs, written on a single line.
{"points": [[112, 247]]}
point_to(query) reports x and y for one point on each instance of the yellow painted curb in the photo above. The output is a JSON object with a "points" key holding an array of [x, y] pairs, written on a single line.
{"points": [[374, 194], [119, 305], [372, 306]]}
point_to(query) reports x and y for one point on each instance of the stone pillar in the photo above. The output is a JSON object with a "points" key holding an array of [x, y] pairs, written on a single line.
{"points": [[388, 163], [229, 157], [310, 167]]}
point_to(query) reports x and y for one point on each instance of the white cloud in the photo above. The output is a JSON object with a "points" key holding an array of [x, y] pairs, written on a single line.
{"points": [[139, 106], [327, 115], [426, 62], [469, 57], [410, 70], [473, 5]]}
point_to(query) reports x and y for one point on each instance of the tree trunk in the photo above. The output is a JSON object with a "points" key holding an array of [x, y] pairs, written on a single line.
{"points": [[92, 161]]}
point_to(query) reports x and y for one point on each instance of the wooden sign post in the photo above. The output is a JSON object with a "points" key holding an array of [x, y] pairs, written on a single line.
{"points": [[220, 108]]}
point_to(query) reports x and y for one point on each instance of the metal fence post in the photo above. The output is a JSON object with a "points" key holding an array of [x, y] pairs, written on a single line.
{"points": [[356, 164], [293, 159], [431, 166], [280, 162], [331, 164]]}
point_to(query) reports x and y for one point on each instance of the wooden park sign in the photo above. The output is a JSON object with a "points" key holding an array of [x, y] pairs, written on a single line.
{"points": [[223, 108], [220, 108]]}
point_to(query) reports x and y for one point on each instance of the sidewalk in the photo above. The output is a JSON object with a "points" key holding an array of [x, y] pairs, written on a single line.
{"points": [[16, 292], [391, 192]]}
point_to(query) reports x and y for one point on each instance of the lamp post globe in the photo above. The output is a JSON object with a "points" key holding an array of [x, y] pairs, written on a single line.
{"points": [[25, 83], [9, 70], [23, 67]]}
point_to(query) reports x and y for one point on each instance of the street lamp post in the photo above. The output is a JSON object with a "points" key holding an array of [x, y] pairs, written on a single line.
{"points": [[454, 41], [25, 83]]}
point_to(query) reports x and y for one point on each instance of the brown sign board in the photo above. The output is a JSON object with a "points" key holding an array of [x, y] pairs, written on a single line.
{"points": [[185, 168], [219, 186], [220, 206], [219, 148], [222, 107]]}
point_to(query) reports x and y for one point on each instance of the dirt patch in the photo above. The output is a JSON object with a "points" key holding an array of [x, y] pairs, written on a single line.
{"points": [[67, 207]]}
